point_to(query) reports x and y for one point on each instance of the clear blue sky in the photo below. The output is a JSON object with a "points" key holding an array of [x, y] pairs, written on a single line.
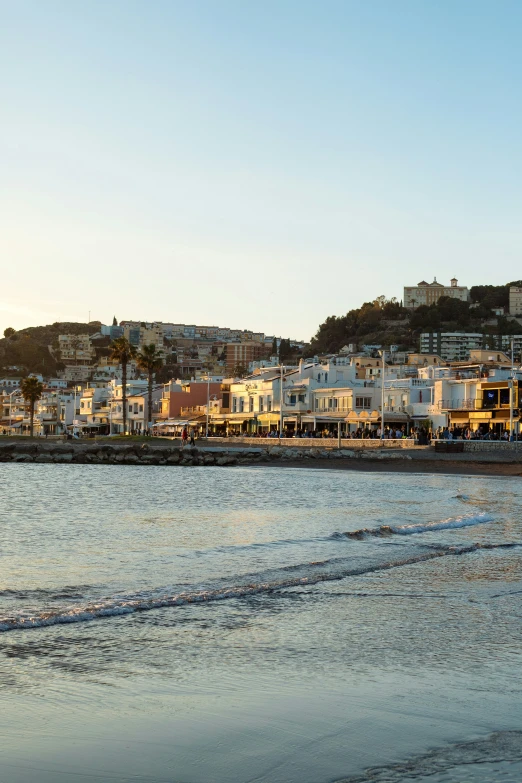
{"points": [[254, 163]]}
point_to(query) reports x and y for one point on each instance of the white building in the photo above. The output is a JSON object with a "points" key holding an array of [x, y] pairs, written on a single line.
{"points": [[450, 346], [515, 300], [255, 402], [54, 412], [429, 293]]}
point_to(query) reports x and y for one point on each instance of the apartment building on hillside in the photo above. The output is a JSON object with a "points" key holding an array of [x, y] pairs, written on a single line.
{"points": [[457, 346], [243, 354], [515, 300]]}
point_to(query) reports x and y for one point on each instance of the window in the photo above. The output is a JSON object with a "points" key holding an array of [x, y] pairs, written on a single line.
{"points": [[251, 404], [261, 403], [241, 405], [269, 403], [141, 408], [234, 404], [326, 377], [363, 402], [292, 399], [504, 396], [301, 398]]}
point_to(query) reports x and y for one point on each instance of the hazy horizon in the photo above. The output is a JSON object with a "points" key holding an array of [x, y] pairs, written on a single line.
{"points": [[258, 166]]}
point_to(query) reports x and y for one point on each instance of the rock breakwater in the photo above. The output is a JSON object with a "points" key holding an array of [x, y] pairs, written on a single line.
{"points": [[164, 453]]}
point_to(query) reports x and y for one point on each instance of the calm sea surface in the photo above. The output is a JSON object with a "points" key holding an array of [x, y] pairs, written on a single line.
{"points": [[215, 625]]}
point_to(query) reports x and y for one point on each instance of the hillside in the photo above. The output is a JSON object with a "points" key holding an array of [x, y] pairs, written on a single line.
{"points": [[28, 349], [387, 322]]}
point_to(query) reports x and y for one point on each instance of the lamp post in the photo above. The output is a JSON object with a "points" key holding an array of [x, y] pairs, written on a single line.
{"points": [[110, 414], [208, 403], [383, 353], [11, 406], [511, 385], [281, 406]]}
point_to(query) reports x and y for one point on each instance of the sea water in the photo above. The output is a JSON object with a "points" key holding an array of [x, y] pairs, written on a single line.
{"points": [[212, 625]]}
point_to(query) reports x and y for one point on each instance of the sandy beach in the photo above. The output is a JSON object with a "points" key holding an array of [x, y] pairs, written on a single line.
{"points": [[465, 467]]}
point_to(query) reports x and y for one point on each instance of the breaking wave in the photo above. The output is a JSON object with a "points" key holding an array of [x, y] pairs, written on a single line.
{"points": [[303, 575], [425, 527]]}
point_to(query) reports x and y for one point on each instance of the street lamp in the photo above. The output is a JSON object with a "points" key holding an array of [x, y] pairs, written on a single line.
{"points": [[208, 403], [383, 354], [511, 385], [16, 391], [281, 405], [110, 414]]}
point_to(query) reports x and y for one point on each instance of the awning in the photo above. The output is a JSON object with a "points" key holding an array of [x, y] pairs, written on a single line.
{"points": [[323, 419], [269, 417], [365, 416], [394, 418]]}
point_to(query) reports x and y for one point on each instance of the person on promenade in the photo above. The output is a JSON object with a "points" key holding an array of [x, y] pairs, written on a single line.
{"points": [[191, 435], [184, 437]]}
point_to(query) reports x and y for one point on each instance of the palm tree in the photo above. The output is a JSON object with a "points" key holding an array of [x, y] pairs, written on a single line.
{"points": [[32, 391], [149, 360], [123, 352]]}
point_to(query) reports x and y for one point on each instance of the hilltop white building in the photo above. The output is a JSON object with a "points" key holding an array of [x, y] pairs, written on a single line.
{"points": [[429, 293]]}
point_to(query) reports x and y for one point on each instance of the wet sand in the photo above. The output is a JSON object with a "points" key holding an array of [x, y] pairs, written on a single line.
{"points": [[434, 466]]}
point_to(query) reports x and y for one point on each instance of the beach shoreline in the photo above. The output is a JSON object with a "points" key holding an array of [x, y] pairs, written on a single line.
{"points": [[428, 466]]}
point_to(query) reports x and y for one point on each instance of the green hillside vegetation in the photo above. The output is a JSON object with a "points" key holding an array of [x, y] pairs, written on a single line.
{"points": [[387, 322], [28, 349]]}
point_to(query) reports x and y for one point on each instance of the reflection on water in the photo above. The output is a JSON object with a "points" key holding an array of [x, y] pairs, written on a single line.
{"points": [[262, 644]]}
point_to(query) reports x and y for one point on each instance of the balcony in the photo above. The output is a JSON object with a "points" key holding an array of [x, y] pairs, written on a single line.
{"points": [[467, 404], [419, 409]]}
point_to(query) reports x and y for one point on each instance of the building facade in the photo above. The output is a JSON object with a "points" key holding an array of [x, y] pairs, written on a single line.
{"points": [[515, 300], [458, 346], [429, 293], [243, 353]]}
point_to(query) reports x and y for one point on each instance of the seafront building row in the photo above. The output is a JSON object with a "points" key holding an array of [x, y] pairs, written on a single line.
{"points": [[346, 393]]}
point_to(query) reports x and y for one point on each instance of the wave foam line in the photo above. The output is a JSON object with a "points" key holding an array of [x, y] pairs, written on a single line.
{"points": [[130, 605], [425, 527]]}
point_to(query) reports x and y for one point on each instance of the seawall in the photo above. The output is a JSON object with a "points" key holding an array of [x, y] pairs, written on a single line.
{"points": [[167, 452]]}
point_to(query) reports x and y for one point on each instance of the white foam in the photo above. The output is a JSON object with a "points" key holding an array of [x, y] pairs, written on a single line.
{"points": [[444, 524], [311, 574]]}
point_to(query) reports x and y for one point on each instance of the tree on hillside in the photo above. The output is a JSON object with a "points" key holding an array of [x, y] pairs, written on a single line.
{"points": [[149, 361], [114, 321], [240, 370], [32, 391], [274, 346], [285, 350], [493, 296], [9, 331], [123, 352]]}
